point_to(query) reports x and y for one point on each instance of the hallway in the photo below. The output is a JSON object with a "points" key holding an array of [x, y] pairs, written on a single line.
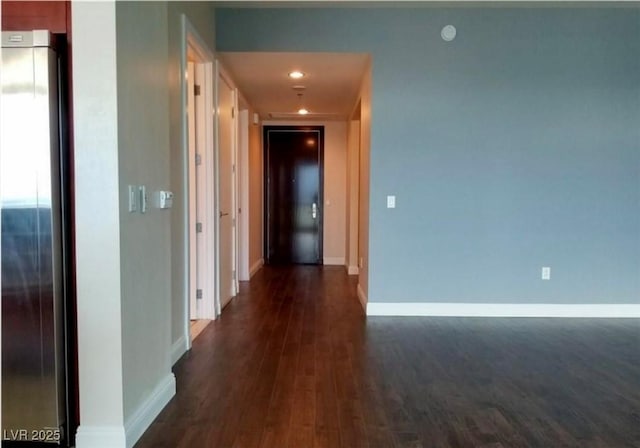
{"points": [[293, 362]]}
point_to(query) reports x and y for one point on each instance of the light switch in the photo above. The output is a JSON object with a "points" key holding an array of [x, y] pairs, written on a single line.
{"points": [[133, 198], [391, 202], [546, 273], [143, 199]]}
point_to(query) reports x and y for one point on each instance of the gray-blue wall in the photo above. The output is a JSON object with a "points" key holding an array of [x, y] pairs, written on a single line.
{"points": [[513, 147]]}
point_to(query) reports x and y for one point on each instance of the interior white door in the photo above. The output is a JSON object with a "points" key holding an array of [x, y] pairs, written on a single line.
{"points": [[226, 189]]}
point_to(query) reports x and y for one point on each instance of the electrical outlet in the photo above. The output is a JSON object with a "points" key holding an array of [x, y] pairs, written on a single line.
{"points": [[546, 273]]}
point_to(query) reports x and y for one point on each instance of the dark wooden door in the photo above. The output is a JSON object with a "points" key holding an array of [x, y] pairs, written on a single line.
{"points": [[293, 190]]}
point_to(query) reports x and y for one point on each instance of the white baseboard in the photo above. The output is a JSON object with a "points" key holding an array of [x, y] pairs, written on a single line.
{"points": [[178, 349], [353, 270], [503, 310], [101, 437], [256, 267], [333, 261], [149, 409], [363, 298]]}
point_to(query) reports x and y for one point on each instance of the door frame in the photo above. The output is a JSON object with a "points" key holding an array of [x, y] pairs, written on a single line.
{"points": [[265, 148], [193, 135], [205, 59]]}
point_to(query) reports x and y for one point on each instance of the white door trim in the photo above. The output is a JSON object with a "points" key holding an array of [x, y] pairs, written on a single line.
{"points": [[191, 39]]}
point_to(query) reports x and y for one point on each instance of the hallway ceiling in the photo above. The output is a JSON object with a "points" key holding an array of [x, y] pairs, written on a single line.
{"points": [[331, 83]]}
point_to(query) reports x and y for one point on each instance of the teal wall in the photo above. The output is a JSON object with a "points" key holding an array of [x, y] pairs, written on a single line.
{"points": [[513, 147]]}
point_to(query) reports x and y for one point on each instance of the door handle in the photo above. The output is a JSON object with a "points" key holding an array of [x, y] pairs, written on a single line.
{"points": [[314, 210], [223, 214]]}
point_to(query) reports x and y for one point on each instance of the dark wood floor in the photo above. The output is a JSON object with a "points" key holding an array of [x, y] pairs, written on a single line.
{"points": [[293, 362]]}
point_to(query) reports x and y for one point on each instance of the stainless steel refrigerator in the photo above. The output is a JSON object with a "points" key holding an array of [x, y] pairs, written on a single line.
{"points": [[33, 243]]}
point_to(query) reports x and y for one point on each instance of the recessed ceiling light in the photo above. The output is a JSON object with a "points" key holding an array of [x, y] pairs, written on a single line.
{"points": [[303, 111], [296, 74]]}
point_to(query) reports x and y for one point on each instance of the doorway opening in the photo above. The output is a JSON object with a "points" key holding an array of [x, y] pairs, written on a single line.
{"points": [[197, 273], [294, 162], [199, 174], [354, 164], [336, 94]]}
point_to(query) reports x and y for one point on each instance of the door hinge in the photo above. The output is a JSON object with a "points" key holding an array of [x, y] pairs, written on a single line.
{"points": [[234, 274], [233, 221], [198, 227], [196, 90], [233, 168], [198, 159], [198, 293], [233, 112]]}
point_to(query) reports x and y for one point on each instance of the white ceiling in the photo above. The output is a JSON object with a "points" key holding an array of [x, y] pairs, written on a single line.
{"points": [[332, 82]]}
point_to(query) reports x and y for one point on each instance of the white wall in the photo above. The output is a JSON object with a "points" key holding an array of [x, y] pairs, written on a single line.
{"points": [[335, 186], [335, 192], [97, 214]]}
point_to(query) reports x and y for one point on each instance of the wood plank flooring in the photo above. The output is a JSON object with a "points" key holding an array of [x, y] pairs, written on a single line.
{"points": [[196, 327], [293, 362]]}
